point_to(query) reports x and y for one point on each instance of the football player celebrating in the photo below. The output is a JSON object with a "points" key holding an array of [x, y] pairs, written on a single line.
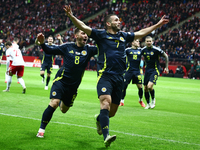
{"points": [[68, 78], [47, 61], [151, 56], [133, 71], [111, 64]]}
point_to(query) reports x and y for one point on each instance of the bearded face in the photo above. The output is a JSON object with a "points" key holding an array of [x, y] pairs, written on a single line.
{"points": [[114, 23]]}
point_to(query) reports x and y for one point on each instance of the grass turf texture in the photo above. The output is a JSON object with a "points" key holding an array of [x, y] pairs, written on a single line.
{"points": [[173, 124]]}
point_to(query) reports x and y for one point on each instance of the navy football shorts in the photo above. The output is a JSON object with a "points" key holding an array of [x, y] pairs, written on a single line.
{"points": [[66, 93], [134, 76], [150, 76], [110, 85], [47, 67]]}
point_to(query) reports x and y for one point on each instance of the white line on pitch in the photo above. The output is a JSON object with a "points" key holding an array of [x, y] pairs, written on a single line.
{"points": [[132, 134]]}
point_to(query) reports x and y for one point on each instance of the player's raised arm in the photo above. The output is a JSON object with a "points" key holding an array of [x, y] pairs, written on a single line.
{"points": [[48, 49], [166, 62], [78, 23], [146, 31]]}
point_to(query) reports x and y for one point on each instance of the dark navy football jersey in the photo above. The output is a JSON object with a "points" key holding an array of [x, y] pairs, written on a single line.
{"points": [[1, 49], [48, 58], [151, 57], [111, 50], [133, 59], [75, 60]]}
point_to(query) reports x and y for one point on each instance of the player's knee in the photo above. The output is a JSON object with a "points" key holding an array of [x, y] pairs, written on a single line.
{"points": [[48, 75], [63, 110], [105, 101], [106, 105], [54, 103], [146, 89], [112, 114], [150, 88]]}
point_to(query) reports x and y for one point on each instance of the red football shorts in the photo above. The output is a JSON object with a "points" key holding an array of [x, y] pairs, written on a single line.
{"points": [[18, 69]]}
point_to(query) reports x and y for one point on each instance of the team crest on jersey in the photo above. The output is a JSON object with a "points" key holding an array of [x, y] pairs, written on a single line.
{"points": [[152, 53], [54, 93], [103, 89], [84, 53], [122, 39], [72, 52], [138, 52]]}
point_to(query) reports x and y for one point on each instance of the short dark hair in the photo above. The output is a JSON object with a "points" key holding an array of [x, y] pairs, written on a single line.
{"points": [[16, 39], [107, 19], [76, 30], [8, 43], [50, 36], [148, 37]]}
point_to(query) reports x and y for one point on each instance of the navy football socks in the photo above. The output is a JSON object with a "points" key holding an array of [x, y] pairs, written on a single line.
{"points": [[146, 94], [47, 82], [46, 117], [140, 92], [152, 94], [104, 122]]}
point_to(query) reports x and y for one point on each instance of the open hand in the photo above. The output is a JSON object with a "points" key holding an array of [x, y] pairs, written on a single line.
{"points": [[68, 10], [40, 38], [163, 21]]}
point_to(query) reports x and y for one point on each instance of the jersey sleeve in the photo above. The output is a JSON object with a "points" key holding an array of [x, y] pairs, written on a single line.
{"points": [[93, 50], [126, 51], [96, 34], [160, 51], [55, 50], [130, 36]]}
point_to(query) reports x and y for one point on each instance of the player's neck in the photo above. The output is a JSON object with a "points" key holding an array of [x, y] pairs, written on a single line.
{"points": [[134, 47], [149, 47], [111, 31], [79, 45]]}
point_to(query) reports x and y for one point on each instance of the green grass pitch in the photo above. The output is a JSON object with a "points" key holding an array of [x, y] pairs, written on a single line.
{"points": [[174, 124]]}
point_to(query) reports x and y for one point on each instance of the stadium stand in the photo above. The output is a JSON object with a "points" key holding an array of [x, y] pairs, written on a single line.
{"points": [[25, 19]]}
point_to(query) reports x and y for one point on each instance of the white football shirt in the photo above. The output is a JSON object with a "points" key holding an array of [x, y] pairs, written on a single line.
{"points": [[16, 56], [15, 45]]}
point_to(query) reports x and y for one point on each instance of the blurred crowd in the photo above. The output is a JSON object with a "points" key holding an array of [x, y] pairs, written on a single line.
{"points": [[26, 19]]}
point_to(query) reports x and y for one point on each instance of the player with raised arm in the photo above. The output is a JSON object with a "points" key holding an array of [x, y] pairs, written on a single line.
{"points": [[151, 56], [47, 61], [111, 65], [17, 66], [69, 76], [133, 55]]}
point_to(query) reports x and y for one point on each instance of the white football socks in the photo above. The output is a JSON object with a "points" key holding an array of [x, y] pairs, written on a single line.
{"points": [[21, 81]]}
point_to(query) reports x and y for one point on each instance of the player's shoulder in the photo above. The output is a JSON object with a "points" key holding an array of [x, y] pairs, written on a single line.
{"points": [[90, 46], [68, 44], [128, 49], [143, 48], [156, 48], [99, 31]]}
